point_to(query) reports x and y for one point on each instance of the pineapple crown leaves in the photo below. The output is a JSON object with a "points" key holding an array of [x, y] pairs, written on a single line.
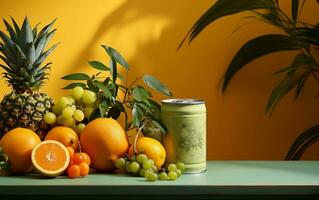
{"points": [[23, 52]]}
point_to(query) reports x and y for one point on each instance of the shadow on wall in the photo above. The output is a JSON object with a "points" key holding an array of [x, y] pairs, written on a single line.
{"points": [[186, 76]]}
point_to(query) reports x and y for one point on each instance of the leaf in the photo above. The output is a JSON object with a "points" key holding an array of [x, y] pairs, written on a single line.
{"points": [[73, 85], [160, 126], [104, 88], [8, 42], [48, 38], [35, 31], [224, 8], [137, 115], [145, 108], [296, 76], [116, 110], [120, 76], [76, 76], [113, 70], [13, 35], [95, 114], [44, 31], [140, 94], [45, 54], [92, 86], [294, 11], [302, 143], [31, 54], [16, 27], [117, 56], [98, 65], [26, 32], [152, 82], [257, 48], [103, 108]]}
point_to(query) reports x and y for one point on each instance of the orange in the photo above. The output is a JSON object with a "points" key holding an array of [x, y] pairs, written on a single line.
{"points": [[87, 158], [152, 148], [65, 135], [74, 171], [84, 169], [50, 158], [78, 158], [18, 144], [104, 140]]}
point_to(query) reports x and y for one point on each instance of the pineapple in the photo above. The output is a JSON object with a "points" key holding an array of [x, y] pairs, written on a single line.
{"points": [[23, 53]]}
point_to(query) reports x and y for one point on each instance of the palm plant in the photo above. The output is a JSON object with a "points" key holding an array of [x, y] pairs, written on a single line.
{"points": [[297, 36]]}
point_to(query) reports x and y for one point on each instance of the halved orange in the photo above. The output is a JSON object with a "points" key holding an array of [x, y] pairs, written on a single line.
{"points": [[50, 158]]}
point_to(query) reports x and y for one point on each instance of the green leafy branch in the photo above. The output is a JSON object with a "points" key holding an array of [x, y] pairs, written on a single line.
{"points": [[115, 98], [295, 35]]}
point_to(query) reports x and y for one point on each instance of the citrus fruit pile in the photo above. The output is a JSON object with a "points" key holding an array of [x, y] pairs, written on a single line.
{"points": [[79, 165]]}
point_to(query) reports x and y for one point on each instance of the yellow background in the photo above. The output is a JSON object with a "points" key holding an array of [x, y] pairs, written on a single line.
{"points": [[147, 33]]}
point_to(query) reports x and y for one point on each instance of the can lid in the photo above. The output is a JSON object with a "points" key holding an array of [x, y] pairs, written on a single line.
{"points": [[183, 101]]}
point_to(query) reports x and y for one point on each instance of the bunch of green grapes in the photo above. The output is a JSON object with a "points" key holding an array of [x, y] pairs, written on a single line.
{"points": [[141, 165], [72, 110]]}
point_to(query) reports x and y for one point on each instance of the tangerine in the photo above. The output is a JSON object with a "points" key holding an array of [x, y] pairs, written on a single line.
{"points": [[84, 169], [74, 171]]}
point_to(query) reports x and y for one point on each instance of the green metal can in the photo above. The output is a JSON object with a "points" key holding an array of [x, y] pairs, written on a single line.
{"points": [[185, 140]]}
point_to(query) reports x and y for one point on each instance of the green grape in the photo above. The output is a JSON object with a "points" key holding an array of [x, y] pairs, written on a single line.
{"points": [[49, 118], [171, 167], [151, 176], [64, 102], [127, 167], [141, 158], [67, 112], [154, 168], [180, 166], [163, 176], [172, 175], [73, 107], [119, 163], [152, 161], [77, 92], [133, 158], [88, 97], [134, 167], [147, 164], [57, 109], [71, 100], [178, 172], [78, 115], [60, 120], [80, 127], [142, 172], [88, 111], [69, 122]]}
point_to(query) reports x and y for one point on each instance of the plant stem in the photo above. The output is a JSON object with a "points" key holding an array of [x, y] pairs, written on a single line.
{"points": [[136, 138]]}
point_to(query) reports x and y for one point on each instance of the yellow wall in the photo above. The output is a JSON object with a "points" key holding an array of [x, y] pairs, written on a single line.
{"points": [[147, 33]]}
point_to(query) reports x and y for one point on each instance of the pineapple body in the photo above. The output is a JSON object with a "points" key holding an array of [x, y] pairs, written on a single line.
{"points": [[23, 51], [24, 110]]}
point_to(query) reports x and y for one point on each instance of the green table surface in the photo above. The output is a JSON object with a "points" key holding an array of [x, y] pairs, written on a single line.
{"points": [[221, 177]]}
